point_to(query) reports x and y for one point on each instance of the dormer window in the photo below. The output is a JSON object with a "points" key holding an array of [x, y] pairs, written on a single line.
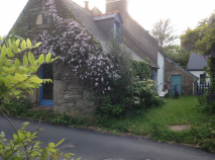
{"points": [[110, 22]]}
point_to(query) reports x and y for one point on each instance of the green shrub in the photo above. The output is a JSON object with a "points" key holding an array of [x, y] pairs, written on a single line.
{"points": [[206, 101], [25, 145], [18, 107], [145, 96]]}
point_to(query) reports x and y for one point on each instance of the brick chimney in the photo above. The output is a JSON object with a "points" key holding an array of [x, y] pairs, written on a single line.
{"points": [[115, 5], [86, 5]]}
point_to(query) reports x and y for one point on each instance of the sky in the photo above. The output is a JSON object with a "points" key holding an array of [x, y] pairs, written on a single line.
{"points": [[183, 13]]}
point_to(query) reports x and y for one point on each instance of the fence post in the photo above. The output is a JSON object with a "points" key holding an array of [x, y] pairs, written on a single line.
{"points": [[197, 87]]}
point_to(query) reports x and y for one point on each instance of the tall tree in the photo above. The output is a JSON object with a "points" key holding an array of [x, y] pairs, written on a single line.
{"points": [[163, 32], [177, 54]]}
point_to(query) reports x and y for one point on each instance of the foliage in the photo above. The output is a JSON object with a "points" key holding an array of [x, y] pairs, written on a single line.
{"points": [[25, 146], [207, 101], [141, 69], [108, 110], [189, 38], [15, 76], [17, 108], [205, 44], [23, 108], [177, 54], [145, 95], [211, 72], [163, 32]]}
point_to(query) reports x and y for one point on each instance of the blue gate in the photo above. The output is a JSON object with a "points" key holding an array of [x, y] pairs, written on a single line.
{"points": [[176, 79]]}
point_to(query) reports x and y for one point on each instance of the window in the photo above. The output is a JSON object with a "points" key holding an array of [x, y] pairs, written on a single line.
{"points": [[47, 20], [117, 30], [202, 78], [153, 75]]}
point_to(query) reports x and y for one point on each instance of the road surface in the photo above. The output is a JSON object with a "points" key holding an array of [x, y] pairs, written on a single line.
{"points": [[90, 145]]}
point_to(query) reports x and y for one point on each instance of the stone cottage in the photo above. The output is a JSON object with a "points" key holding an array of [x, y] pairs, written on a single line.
{"points": [[175, 74], [66, 94]]}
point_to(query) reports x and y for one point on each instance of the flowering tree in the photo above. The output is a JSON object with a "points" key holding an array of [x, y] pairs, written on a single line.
{"points": [[78, 49]]}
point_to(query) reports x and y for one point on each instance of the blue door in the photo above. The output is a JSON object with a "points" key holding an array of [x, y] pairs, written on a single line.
{"points": [[176, 79], [46, 90]]}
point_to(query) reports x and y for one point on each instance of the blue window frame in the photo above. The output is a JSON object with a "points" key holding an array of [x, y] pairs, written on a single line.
{"points": [[42, 99]]}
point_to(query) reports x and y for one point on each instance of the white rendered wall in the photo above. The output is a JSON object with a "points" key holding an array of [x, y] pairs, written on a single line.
{"points": [[197, 74], [160, 72]]}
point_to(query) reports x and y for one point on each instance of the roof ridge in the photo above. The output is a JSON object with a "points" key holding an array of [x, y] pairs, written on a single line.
{"points": [[117, 11]]}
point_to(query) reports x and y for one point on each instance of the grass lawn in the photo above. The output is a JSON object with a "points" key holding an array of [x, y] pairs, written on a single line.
{"points": [[183, 111]]}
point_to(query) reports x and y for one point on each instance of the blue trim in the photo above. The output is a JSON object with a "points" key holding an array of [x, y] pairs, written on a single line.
{"points": [[182, 68], [43, 102]]}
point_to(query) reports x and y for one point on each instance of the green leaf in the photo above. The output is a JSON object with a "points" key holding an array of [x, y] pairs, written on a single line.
{"points": [[31, 58], [15, 137], [21, 135], [3, 51], [15, 47], [48, 57], [35, 80], [25, 124], [60, 142], [17, 63], [23, 45], [17, 42], [29, 43], [1, 38], [51, 145], [25, 60], [6, 97], [41, 59], [44, 154], [37, 45], [9, 52], [28, 134]]}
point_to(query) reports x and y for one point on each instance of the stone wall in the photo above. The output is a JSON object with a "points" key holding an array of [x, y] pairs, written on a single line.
{"points": [[187, 78], [69, 95]]}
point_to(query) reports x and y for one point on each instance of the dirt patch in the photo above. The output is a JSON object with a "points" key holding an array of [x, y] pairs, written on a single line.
{"points": [[179, 127]]}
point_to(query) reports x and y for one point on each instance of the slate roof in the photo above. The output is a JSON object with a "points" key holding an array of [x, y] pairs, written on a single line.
{"points": [[165, 56], [105, 16], [196, 62]]}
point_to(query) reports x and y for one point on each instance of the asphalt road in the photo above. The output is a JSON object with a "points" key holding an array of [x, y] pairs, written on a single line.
{"points": [[90, 145]]}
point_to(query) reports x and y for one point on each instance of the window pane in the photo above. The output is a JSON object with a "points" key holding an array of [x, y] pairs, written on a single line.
{"points": [[48, 87], [202, 78]]}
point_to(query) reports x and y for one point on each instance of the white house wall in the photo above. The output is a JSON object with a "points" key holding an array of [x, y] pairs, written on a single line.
{"points": [[197, 74], [160, 72]]}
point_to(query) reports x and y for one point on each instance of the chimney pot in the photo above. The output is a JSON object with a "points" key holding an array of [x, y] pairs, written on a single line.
{"points": [[86, 4]]}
